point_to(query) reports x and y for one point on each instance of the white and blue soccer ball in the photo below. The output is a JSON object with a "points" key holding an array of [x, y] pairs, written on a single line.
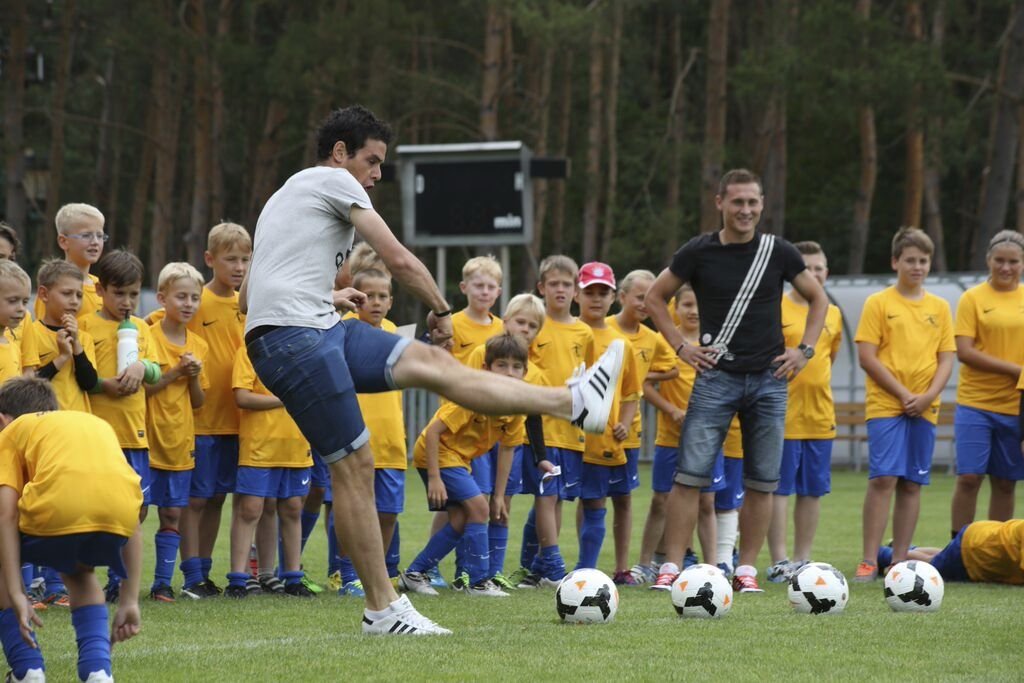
{"points": [[702, 591], [586, 596], [818, 588], [914, 586]]}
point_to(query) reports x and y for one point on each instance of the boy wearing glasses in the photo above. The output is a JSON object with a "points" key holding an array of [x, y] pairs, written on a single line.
{"points": [[80, 235]]}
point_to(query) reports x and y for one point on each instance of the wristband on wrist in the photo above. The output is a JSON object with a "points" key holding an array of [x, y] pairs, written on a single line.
{"points": [[681, 345], [443, 314]]}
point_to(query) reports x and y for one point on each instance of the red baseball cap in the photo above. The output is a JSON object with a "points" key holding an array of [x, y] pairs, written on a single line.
{"points": [[596, 273]]}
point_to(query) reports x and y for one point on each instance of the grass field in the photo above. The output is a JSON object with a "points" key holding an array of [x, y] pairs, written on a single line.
{"points": [[977, 635]]}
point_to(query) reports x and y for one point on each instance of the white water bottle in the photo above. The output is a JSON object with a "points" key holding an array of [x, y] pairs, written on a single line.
{"points": [[127, 344]]}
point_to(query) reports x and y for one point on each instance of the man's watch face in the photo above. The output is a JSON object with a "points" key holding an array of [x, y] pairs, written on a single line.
{"points": [[808, 351]]}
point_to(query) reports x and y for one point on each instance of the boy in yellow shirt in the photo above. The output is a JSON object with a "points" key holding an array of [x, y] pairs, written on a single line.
{"points": [[905, 345], [273, 468], [45, 519], [475, 324], [80, 236], [605, 472], [444, 450], [169, 405], [810, 427], [14, 295], [23, 335], [67, 356], [117, 397]]}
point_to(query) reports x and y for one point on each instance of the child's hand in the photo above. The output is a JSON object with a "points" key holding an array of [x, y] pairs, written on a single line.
{"points": [[620, 431], [677, 415], [916, 404], [112, 388], [127, 623], [131, 379], [189, 366], [70, 324], [27, 618], [546, 466], [437, 495], [499, 511], [65, 343]]}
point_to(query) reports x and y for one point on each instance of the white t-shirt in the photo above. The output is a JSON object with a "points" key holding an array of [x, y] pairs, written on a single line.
{"points": [[303, 235]]}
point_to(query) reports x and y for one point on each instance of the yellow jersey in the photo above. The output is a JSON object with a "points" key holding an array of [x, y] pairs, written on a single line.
{"points": [[467, 334], [476, 360], [556, 352], [909, 335], [652, 354], [169, 418], [69, 395], [10, 360], [469, 436], [221, 325], [994, 551], [91, 301], [266, 438], [24, 338], [383, 416], [995, 321], [810, 412], [71, 475], [604, 449], [126, 414]]}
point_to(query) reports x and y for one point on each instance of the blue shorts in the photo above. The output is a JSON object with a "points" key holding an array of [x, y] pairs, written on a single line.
{"points": [[950, 560], [602, 481], [514, 484], [389, 490], [806, 468], [216, 465], [320, 474], [170, 488], [458, 482], [987, 443], [273, 482], [138, 458], [65, 553], [759, 398], [317, 373], [663, 471], [901, 447], [731, 497], [572, 472], [633, 467], [531, 478], [483, 475]]}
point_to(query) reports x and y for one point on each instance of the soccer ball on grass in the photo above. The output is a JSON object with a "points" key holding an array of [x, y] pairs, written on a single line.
{"points": [[914, 586], [586, 596], [702, 591], [818, 588]]}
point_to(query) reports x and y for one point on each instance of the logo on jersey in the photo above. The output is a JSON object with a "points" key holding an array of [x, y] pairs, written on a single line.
{"points": [[931, 320], [341, 256]]}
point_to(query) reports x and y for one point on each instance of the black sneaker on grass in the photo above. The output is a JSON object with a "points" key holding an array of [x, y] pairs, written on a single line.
{"points": [[298, 590], [236, 592], [162, 594]]}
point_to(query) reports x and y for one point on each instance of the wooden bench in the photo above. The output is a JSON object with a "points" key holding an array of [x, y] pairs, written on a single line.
{"points": [[850, 427]]}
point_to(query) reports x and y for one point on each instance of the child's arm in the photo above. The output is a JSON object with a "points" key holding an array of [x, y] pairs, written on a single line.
{"points": [[979, 360], [916, 405], [66, 348], [654, 397], [535, 432], [10, 564], [867, 354], [620, 430], [662, 376], [177, 372], [250, 400], [499, 510], [127, 620], [437, 495]]}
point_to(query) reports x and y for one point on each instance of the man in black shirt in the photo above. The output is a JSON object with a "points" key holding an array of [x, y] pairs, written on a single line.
{"points": [[742, 363]]}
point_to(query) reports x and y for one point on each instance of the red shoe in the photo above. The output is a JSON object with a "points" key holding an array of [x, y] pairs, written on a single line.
{"points": [[667, 575], [624, 578], [746, 584], [866, 572]]}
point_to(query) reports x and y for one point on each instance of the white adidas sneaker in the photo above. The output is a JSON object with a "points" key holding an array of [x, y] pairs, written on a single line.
{"points": [[597, 389], [402, 619]]}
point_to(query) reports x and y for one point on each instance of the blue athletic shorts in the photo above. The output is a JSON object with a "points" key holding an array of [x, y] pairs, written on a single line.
{"points": [[458, 482], [633, 467], [950, 560], [389, 490], [731, 497], [602, 481], [514, 484], [987, 443], [572, 472], [65, 553], [901, 447], [273, 482], [806, 468], [169, 488], [531, 477], [480, 468], [663, 471], [319, 473], [316, 374], [216, 465], [138, 458]]}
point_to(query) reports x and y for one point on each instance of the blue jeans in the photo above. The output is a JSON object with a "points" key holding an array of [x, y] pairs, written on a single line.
{"points": [[760, 400]]}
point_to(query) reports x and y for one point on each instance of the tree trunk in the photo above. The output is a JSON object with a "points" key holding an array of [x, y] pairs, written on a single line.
{"points": [[144, 174], [933, 158], [170, 87], [562, 150], [202, 134], [541, 188], [16, 17], [102, 174], [715, 110], [611, 135], [264, 177], [677, 104], [490, 90], [868, 171], [1020, 171], [217, 192], [1004, 139], [913, 189], [595, 141], [47, 242]]}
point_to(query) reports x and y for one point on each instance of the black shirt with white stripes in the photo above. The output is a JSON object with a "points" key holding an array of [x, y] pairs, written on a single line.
{"points": [[739, 294]]}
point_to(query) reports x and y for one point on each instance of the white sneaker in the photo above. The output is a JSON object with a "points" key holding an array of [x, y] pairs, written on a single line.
{"points": [[415, 582], [486, 589], [402, 619], [31, 676], [99, 677], [597, 389]]}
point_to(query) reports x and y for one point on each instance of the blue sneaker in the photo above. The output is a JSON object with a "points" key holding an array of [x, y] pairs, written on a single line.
{"points": [[726, 569], [353, 588], [778, 572], [436, 580], [690, 558]]}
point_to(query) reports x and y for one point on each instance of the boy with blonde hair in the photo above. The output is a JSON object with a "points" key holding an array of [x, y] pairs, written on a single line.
{"points": [[80, 236], [475, 324], [905, 345], [67, 356], [14, 295], [23, 335], [169, 417]]}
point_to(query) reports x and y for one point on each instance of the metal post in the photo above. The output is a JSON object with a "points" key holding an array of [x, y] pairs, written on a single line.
{"points": [[506, 279], [442, 264]]}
